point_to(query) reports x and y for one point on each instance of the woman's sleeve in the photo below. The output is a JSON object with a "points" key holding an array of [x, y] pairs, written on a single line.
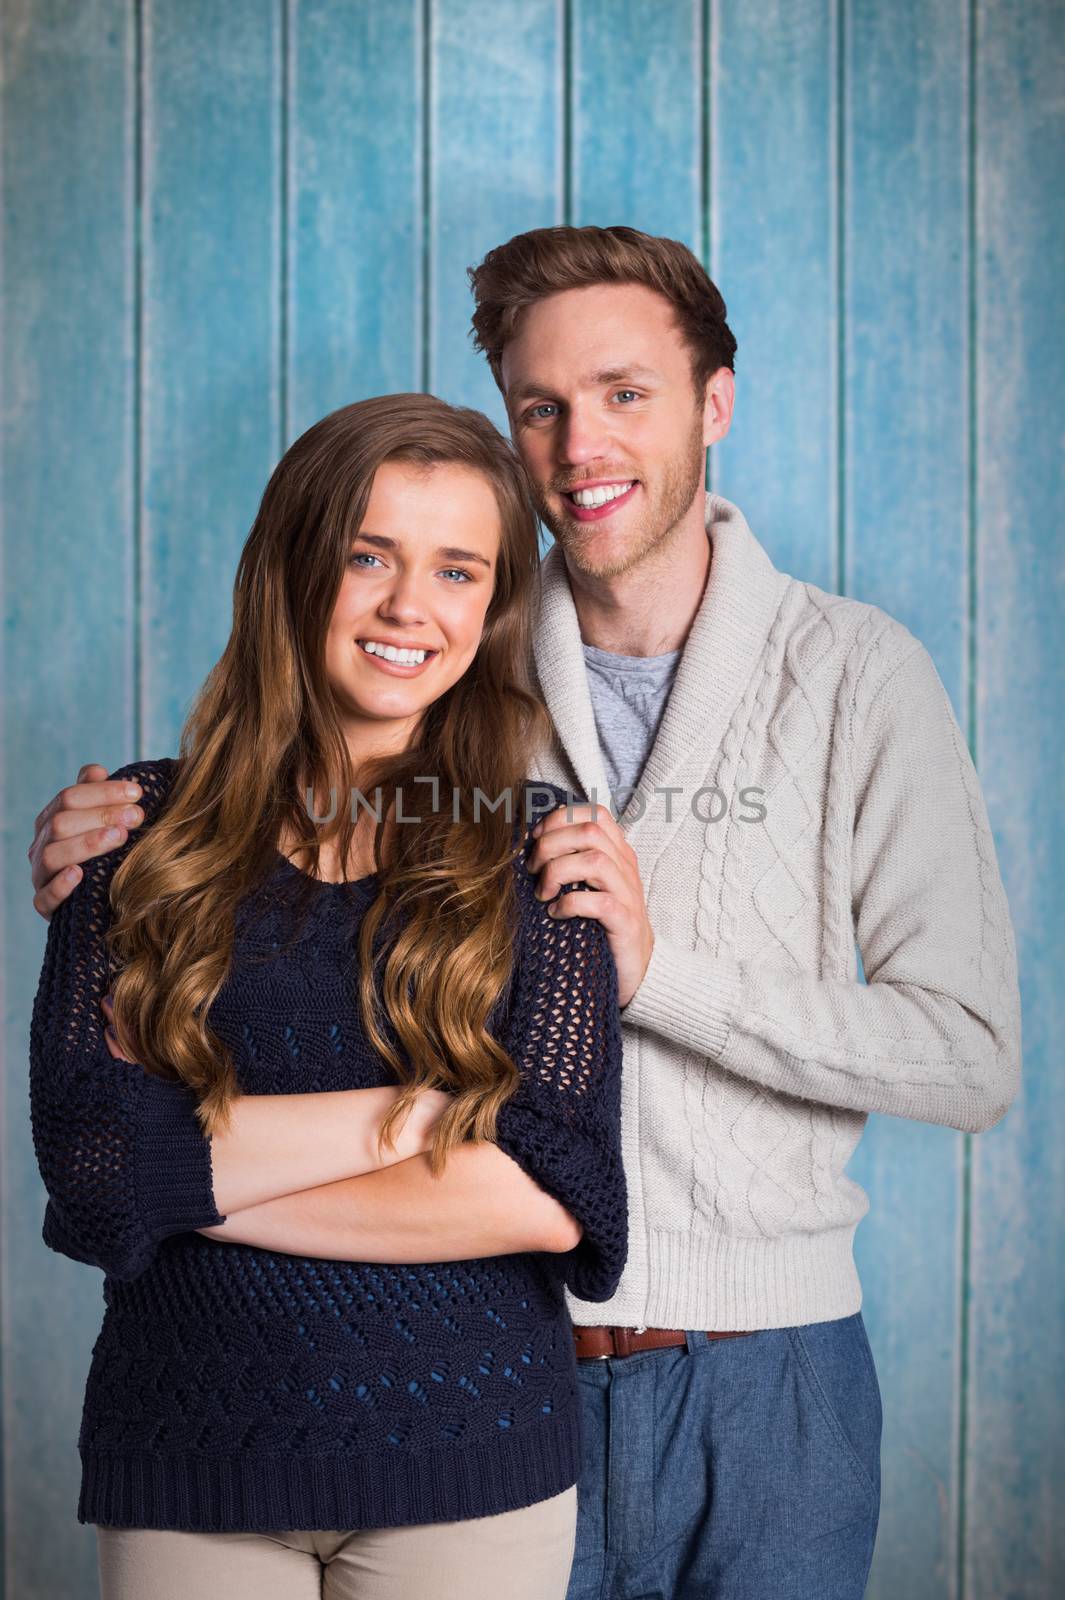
{"points": [[121, 1151], [563, 1125]]}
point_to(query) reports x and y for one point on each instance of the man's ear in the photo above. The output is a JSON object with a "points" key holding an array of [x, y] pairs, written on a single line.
{"points": [[719, 399]]}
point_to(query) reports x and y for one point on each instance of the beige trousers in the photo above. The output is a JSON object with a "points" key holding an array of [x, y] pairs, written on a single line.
{"points": [[516, 1555]]}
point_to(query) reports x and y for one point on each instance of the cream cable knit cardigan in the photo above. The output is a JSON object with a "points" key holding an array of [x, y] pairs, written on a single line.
{"points": [[753, 1052]]}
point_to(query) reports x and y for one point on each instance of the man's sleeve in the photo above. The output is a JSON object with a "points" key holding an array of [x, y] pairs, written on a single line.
{"points": [[935, 1032], [121, 1151]]}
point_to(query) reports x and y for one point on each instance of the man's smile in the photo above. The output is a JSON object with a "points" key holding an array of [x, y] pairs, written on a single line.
{"points": [[592, 502]]}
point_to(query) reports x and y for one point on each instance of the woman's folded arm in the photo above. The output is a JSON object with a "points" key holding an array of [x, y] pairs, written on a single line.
{"points": [[278, 1144], [121, 1150], [552, 1180], [482, 1204]]}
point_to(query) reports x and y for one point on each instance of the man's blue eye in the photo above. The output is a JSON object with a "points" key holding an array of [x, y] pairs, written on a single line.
{"points": [[626, 391], [547, 405]]}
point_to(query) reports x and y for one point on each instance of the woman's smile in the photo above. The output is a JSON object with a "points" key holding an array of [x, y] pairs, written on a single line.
{"points": [[407, 663]]}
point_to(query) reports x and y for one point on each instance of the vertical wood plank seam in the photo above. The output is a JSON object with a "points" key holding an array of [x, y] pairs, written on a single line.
{"points": [[704, 28], [558, 216], [566, 41], [839, 135], [5, 1210], [425, 98], [138, 562], [972, 665], [284, 215]]}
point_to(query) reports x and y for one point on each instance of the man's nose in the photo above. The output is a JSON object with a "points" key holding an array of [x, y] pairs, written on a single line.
{"points": [[581, 439]]}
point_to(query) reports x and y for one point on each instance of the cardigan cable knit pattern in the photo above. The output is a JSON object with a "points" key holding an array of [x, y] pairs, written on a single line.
{"points": [[754, 1052], [233, 1388]]}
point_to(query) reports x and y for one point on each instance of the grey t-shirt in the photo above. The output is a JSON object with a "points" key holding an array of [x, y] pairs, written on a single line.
{"points": [[629, 695]]}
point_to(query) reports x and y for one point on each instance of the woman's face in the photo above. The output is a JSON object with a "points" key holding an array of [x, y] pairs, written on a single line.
{"points": [[420, 574]]}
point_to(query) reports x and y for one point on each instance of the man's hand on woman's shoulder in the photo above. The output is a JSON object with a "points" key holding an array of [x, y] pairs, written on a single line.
{"points": [[94, 815]]}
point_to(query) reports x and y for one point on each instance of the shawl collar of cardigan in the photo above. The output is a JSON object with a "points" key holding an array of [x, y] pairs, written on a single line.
{"points": [[742, 595]]}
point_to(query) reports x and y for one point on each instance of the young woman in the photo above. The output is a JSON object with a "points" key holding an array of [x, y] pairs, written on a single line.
{"points": [[354, 1121]]}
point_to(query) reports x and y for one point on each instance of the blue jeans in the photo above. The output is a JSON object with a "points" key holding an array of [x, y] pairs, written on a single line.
{"points": [[733, 1469]]}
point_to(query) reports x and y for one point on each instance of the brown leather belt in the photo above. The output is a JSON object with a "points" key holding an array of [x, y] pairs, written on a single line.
{"points": [[595, 1344]]}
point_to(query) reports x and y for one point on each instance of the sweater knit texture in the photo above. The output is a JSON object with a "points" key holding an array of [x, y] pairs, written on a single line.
{"points": [[233, 1388], [753, 1049]]}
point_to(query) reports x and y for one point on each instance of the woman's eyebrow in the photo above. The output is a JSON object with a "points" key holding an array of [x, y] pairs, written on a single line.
{"points": [[452, 552]]}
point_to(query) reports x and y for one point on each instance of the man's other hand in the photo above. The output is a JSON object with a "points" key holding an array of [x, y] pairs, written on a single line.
{"points": [[92, 816]]}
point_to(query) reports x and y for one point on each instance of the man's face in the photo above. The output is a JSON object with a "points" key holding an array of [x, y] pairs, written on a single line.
{"points": [[600, 394]]}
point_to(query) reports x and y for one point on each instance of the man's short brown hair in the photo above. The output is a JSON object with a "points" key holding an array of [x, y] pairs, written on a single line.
{"points": [[547, 261]]}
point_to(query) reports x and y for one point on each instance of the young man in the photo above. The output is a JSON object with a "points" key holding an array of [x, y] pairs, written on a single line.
{"points": [[802, 783]]}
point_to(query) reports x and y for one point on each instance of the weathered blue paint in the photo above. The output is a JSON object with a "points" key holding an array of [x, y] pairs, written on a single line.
{"points": [[353, 204], [493, 164], [904, 504], [772, 143], [636, 108], [1015, 1440], [211, 380], [67, 339], [223, 221]]}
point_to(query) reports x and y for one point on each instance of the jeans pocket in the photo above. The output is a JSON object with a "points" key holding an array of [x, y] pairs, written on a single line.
{"points": [[837, 1362]]}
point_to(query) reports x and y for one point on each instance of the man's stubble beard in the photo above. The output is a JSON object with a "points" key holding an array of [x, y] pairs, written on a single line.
{"points": [[683, 477]]}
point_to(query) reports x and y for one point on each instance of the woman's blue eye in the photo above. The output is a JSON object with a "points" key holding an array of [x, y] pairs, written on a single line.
{"points": [[367, 555]]}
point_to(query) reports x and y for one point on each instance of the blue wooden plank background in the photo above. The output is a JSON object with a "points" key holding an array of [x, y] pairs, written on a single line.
{"points": [[220, 222], [904, 542]]}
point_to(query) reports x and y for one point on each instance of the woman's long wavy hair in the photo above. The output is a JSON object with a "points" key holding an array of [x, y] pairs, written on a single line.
{"points": [[437, 944]]}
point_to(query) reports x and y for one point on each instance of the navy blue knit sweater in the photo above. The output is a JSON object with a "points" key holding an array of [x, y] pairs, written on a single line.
{"points": [[233, 1388]]}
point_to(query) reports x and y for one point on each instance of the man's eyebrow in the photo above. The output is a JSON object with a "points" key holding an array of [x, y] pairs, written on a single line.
{"points": [[451, 551], [526, 391]]}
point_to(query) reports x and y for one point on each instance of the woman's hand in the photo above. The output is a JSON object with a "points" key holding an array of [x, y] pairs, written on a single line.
{"points": [[415, 1135]]}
